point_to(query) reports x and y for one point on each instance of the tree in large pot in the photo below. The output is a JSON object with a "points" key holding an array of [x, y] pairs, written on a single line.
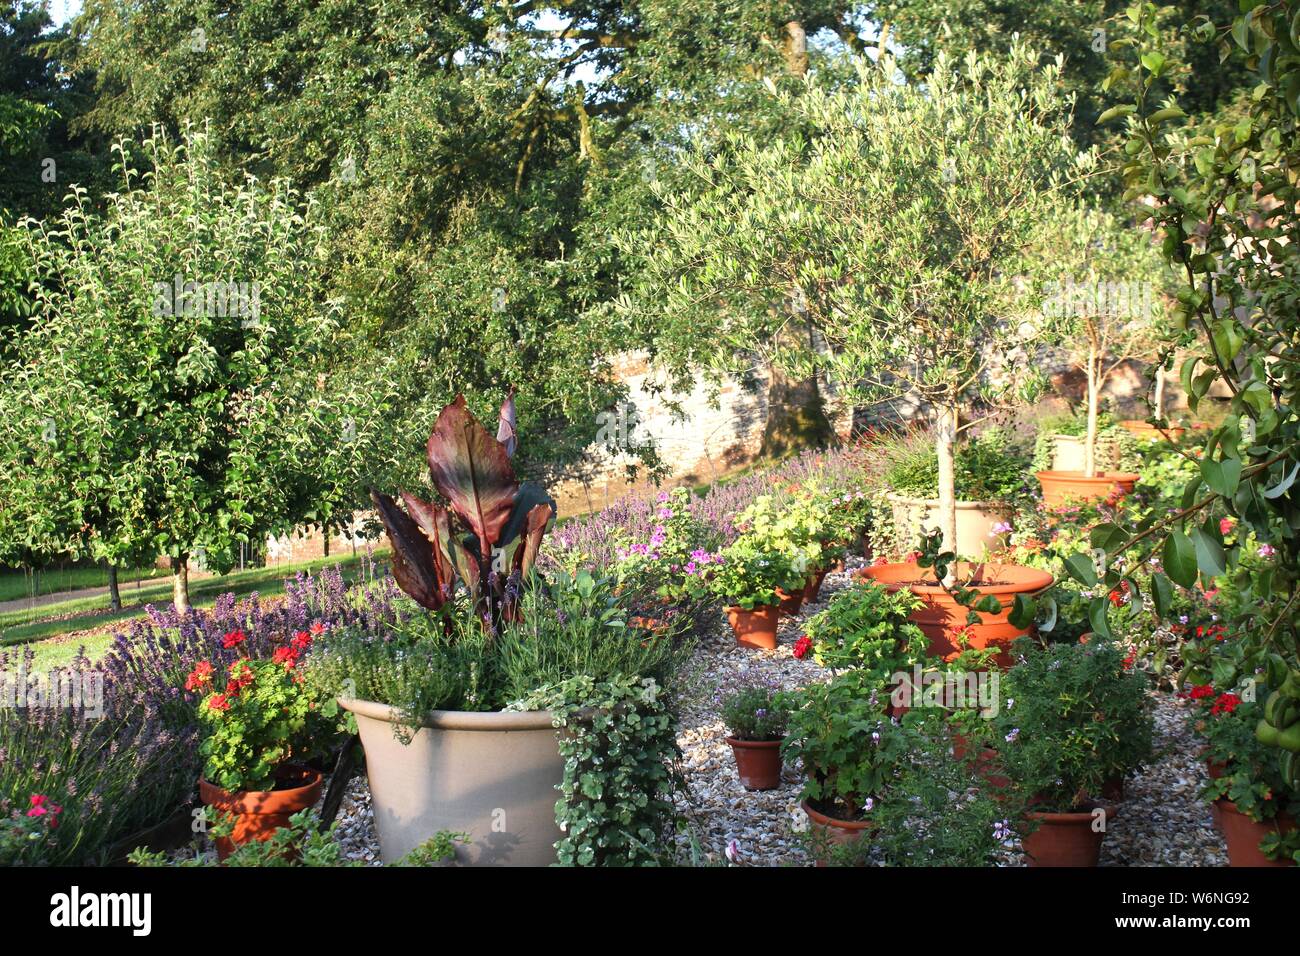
{"points": [[1104, 318], [443, 750]]}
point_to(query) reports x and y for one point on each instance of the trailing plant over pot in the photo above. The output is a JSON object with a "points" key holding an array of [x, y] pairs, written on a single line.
{"points": [[486, 538]]}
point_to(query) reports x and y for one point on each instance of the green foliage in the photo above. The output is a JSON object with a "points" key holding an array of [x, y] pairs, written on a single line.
{"points": [[1073, 718], [989, 468], [619, 746], [866, 627], [751, 572], [138, 421], [755, 710], [25, 834], [255, 723], [301, 843], [438, 850], [850, 750]]}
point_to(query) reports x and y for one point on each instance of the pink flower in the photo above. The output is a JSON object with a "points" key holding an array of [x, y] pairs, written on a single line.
{"points": [[1266, 551], [1226, 525]]}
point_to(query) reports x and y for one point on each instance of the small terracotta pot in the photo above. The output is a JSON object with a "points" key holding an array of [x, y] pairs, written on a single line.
{"points": [[1065, 839], [1063, 487], [790, 602], [1242, 834], [259, 813], [756, 628], [758, 762], [814, 586], [1146, 431], [987, 764], [941, 618], [832, 832]]}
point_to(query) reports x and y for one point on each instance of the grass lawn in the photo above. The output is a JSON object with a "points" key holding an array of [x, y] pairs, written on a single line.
{"points": [[55, 621], [15, 585]]}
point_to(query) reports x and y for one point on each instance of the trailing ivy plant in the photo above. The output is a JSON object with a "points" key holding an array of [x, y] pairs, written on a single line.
{"points": [[619, 745]]}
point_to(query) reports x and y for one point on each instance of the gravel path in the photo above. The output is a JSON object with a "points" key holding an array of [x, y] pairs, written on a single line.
{"points": [[1162, 822]]}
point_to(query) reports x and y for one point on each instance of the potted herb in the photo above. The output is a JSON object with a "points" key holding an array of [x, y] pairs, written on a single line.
{"points": [[1067, 726], [989, 479], [756, 712], [797, 527], [256, 718], [867, 627], [849, 750], [747, 580]]}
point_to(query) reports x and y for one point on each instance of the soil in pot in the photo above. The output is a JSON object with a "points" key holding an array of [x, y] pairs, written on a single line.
{"points": [[1067, 839], [943, 620], [1242, 834], [1067, 487], [758, 762], [756, 628], [259, 813], [828, 832]]}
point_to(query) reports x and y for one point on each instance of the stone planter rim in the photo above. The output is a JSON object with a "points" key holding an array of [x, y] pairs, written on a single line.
{"points": [[491, 720], [896, 498]]}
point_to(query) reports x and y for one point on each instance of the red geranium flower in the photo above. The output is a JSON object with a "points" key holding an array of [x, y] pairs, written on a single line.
{"points": [[317, 628], [218, 702], [802, 647], [1201, 691], [301, 640], [1226, 704], [1226, 525], [233, 639], [288, 656], [201, 675], [1128, 661]]}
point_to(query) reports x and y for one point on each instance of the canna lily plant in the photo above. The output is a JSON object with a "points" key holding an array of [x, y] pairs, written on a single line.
{"points": [[487, 534]]}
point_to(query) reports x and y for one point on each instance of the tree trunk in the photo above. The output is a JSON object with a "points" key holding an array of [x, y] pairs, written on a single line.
{"points": [[114, 596], [181, 583], [1090, 443], [1159, 399], [945, 450], [796, 412], [326, 531]]}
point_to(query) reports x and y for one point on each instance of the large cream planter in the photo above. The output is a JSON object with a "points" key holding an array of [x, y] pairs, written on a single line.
{"points": [[975, 522], [1068, 453], [492, 775]]}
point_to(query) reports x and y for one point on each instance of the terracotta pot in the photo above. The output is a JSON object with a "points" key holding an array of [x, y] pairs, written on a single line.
{"points": [[259, 813], [1147, 432], [1065, 839], [1069, 452], [813, 588], [975, 521], [756, 628], [1215, 768], [493, 775], [1242, 834], [790, 601], [758, 762], [940, 617], [1067, 487], [830, 832], [987, 764]]}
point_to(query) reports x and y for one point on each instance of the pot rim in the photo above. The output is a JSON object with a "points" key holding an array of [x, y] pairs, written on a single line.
{"points": [[816, 816], [1050, 818], [754, 744], [962, 504], [485, 720], [1223, 803], [223, 799], [1035, 580], [1108, 477]]}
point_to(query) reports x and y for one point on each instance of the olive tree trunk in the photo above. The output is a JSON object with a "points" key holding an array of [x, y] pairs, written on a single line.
{"points": [[945, 450], [181, 583], [1094, 398]]}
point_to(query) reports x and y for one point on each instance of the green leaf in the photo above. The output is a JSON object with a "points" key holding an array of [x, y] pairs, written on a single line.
{"points": [[1179, 558], [1209, 553], [1282, 486], [1097, 617], [1222, 476], [1162, 594], [1081, 568], [1023, 611], [1125, 109]]}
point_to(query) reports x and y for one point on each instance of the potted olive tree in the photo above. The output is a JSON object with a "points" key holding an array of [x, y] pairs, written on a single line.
{"points": [[892, 228], [1104, 318]]}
